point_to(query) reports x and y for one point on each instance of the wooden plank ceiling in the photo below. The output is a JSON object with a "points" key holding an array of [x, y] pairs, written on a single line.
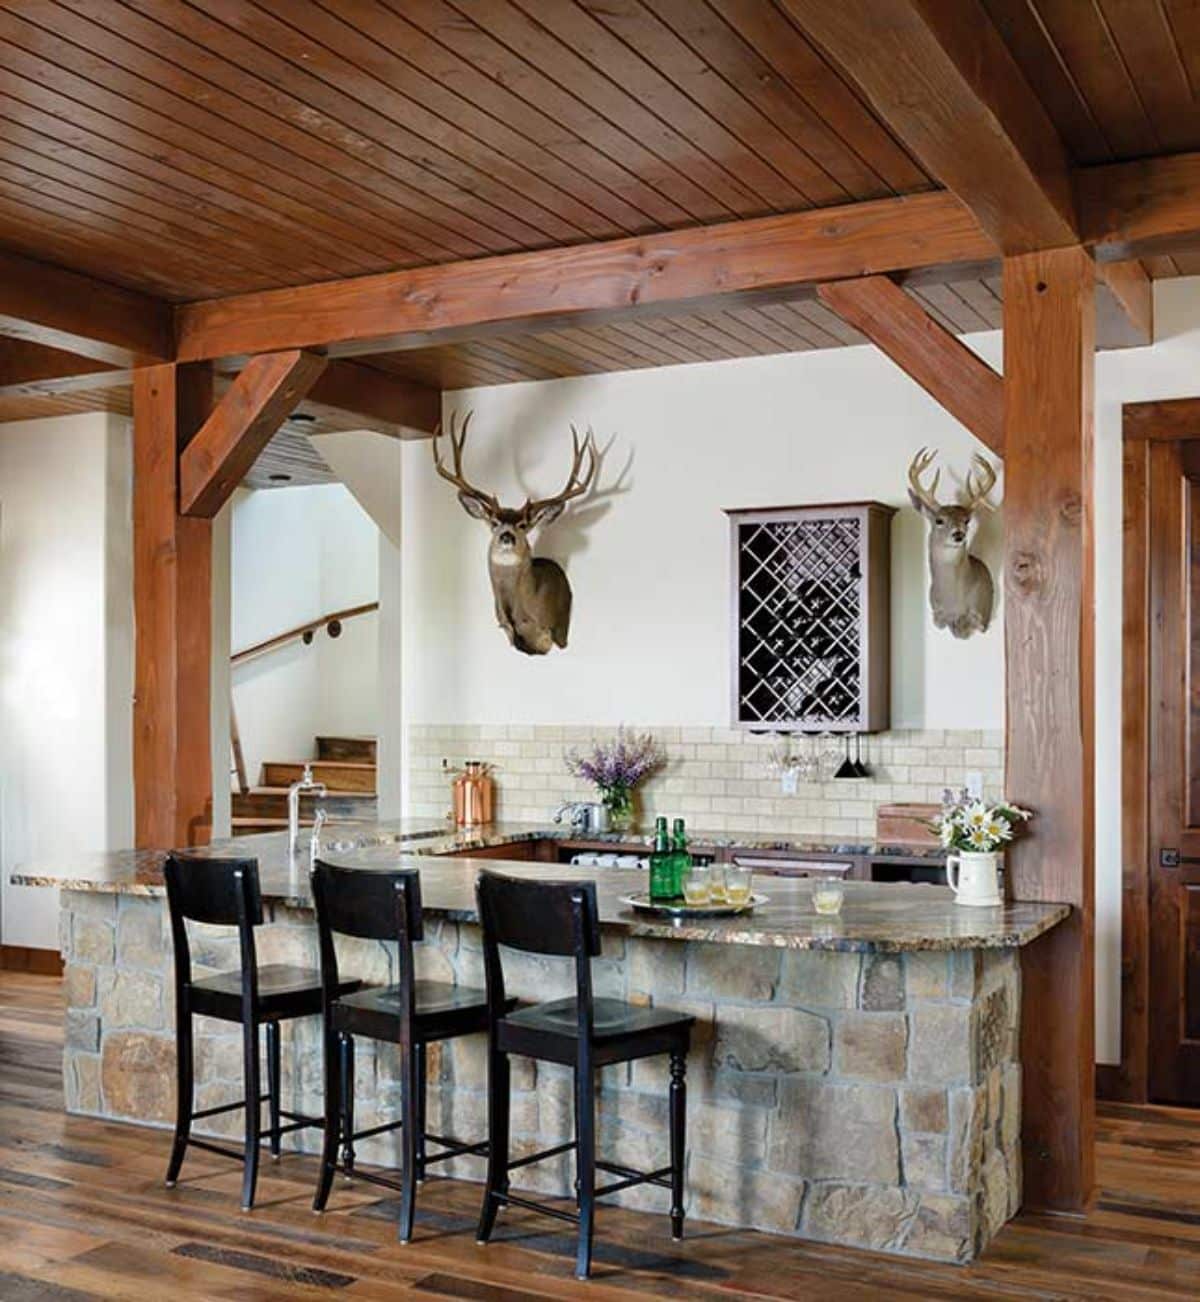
{"points": [[200, 148]]}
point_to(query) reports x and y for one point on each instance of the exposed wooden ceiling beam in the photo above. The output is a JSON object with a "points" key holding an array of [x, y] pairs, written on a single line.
{"points": [[27, 368], [940, 76], [387, 403], [45, 304], [942, 365], [1137, 209], [241, 424], [735, 261]]}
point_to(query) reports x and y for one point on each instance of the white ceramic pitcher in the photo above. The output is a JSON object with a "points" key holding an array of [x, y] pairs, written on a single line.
{"points": [[974, 877]]}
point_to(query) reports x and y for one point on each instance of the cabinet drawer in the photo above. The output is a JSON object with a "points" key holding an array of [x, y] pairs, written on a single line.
{"points": [[778, 867]]}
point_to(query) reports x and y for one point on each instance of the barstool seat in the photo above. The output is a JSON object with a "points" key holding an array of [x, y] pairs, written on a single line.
{"points": [[376, 1012], [299, 988], [611, 1019]]}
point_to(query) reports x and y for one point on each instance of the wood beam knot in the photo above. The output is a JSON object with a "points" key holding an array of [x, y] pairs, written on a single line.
{"points": [[1027, 573]]}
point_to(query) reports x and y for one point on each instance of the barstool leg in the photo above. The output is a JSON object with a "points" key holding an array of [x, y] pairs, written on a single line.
{"points": [[253, 1112], [409, 1114], [333, 1120], [346, 1080], [499, 1085], [273, 1085], [184, 1074], [585, 1164], [678, 1120], [422, 1086]]}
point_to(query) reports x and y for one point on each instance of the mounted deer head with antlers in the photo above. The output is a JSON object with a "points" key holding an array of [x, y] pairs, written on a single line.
{"points": [[533, 597], [960, 585]]}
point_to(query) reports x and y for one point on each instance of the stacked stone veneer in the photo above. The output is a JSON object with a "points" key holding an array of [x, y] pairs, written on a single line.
{"points": [[715, 777], [859, 1098]]}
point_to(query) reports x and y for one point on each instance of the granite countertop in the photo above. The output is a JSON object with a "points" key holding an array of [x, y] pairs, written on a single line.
{"points": [[877, 917]]}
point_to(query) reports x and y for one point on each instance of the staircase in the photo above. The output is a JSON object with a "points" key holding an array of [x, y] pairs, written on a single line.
{"points": [[346, 765]]}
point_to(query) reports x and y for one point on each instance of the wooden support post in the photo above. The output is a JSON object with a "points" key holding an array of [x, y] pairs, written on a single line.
{"points": [[1049, 325], [172, 574]]}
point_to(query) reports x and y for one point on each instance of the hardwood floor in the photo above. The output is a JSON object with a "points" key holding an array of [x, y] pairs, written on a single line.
{"points": [[83, 1214]]}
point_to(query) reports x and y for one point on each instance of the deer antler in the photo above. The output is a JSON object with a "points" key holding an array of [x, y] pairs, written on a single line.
{"points": [[458, 440], [577, 484], [917, 467], [976, 492]]}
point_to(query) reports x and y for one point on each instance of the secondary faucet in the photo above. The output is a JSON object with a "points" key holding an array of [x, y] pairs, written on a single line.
{"points": [[314, 845], [305, 784]]}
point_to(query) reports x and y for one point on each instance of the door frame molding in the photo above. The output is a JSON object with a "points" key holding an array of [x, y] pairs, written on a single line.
{"points": [[1142, 423]]}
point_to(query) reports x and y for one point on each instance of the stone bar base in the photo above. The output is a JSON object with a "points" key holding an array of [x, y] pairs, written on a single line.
{"points": [[858, 1098]]}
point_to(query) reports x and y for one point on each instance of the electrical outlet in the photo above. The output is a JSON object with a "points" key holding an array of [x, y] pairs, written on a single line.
{"points": [[790, 780], [975, 786]]}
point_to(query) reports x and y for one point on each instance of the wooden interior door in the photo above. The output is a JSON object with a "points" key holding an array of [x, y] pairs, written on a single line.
{"points": [[1174, 771]]}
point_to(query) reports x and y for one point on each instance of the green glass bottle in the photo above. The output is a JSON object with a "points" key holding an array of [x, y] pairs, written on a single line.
{"points": [[662, 877], [681, 858]]}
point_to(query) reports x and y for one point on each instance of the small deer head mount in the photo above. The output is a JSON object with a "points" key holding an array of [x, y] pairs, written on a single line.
{"points": [[532, 595], [960, 585]]}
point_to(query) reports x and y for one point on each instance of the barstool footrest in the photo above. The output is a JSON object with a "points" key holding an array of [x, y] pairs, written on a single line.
{"points": [[216, 1148], [530, 1205], [454, 1148], [227, 1107], [632, 1178], [374, 1130], [568, 1147]]}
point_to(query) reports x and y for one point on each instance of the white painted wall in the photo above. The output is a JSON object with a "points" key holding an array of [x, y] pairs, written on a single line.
{"points": [[648, 556], [370, 466], [66, 653], [298, 554]]}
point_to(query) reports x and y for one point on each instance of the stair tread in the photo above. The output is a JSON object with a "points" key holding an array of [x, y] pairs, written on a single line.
{"points": [[331, 791], [320, 764], [248, 820]]}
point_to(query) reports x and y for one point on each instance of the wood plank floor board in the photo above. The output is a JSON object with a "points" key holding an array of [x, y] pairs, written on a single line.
{"points": [[84, 1215]]}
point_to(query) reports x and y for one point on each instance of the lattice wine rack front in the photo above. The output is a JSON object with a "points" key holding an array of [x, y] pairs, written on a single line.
{"points": [[810, 617]]}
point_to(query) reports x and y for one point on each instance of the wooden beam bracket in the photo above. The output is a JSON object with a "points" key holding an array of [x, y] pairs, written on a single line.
{"points": [[942, 365], [240, 426]]}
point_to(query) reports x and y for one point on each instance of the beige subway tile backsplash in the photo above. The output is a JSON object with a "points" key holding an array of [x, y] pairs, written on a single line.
{"points": [[715, 777]]}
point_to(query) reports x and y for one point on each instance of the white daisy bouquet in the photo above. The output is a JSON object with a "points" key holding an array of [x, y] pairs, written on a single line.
{"points": [[975, 826]]}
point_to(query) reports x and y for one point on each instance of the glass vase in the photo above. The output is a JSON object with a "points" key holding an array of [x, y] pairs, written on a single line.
{"points": [[619, 803]]}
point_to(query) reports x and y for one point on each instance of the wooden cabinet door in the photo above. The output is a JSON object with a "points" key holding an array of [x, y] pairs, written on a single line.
{"points": [[1174, 771]]}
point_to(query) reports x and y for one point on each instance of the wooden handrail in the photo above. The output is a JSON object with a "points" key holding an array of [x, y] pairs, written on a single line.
{"points": [[301, 631]]}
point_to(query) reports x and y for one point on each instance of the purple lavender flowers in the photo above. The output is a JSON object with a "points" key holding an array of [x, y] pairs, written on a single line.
{"points": [[619, 764]]}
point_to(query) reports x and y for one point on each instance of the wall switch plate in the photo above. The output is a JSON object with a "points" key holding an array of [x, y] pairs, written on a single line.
{"points": [[975, 786], [790, 781]]}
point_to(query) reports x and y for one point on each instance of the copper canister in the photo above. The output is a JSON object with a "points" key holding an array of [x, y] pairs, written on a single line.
{"points": [[474, 793]]}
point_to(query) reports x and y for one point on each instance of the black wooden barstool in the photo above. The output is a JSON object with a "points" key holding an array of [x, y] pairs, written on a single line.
{"points": [[225, 892], [376, 905], [585, 1033]]}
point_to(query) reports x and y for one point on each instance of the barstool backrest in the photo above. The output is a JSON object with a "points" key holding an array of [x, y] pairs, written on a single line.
{"points": [[370, 905], [219, 892], [539, 917]]}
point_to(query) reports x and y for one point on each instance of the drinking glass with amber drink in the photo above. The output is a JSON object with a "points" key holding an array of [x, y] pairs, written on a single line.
{"points": [[716, 886], [738, 881], [697, 886]]}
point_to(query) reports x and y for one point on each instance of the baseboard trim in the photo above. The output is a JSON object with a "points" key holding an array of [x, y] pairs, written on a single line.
{"points": [[1109, 1086], [23, 958]]}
